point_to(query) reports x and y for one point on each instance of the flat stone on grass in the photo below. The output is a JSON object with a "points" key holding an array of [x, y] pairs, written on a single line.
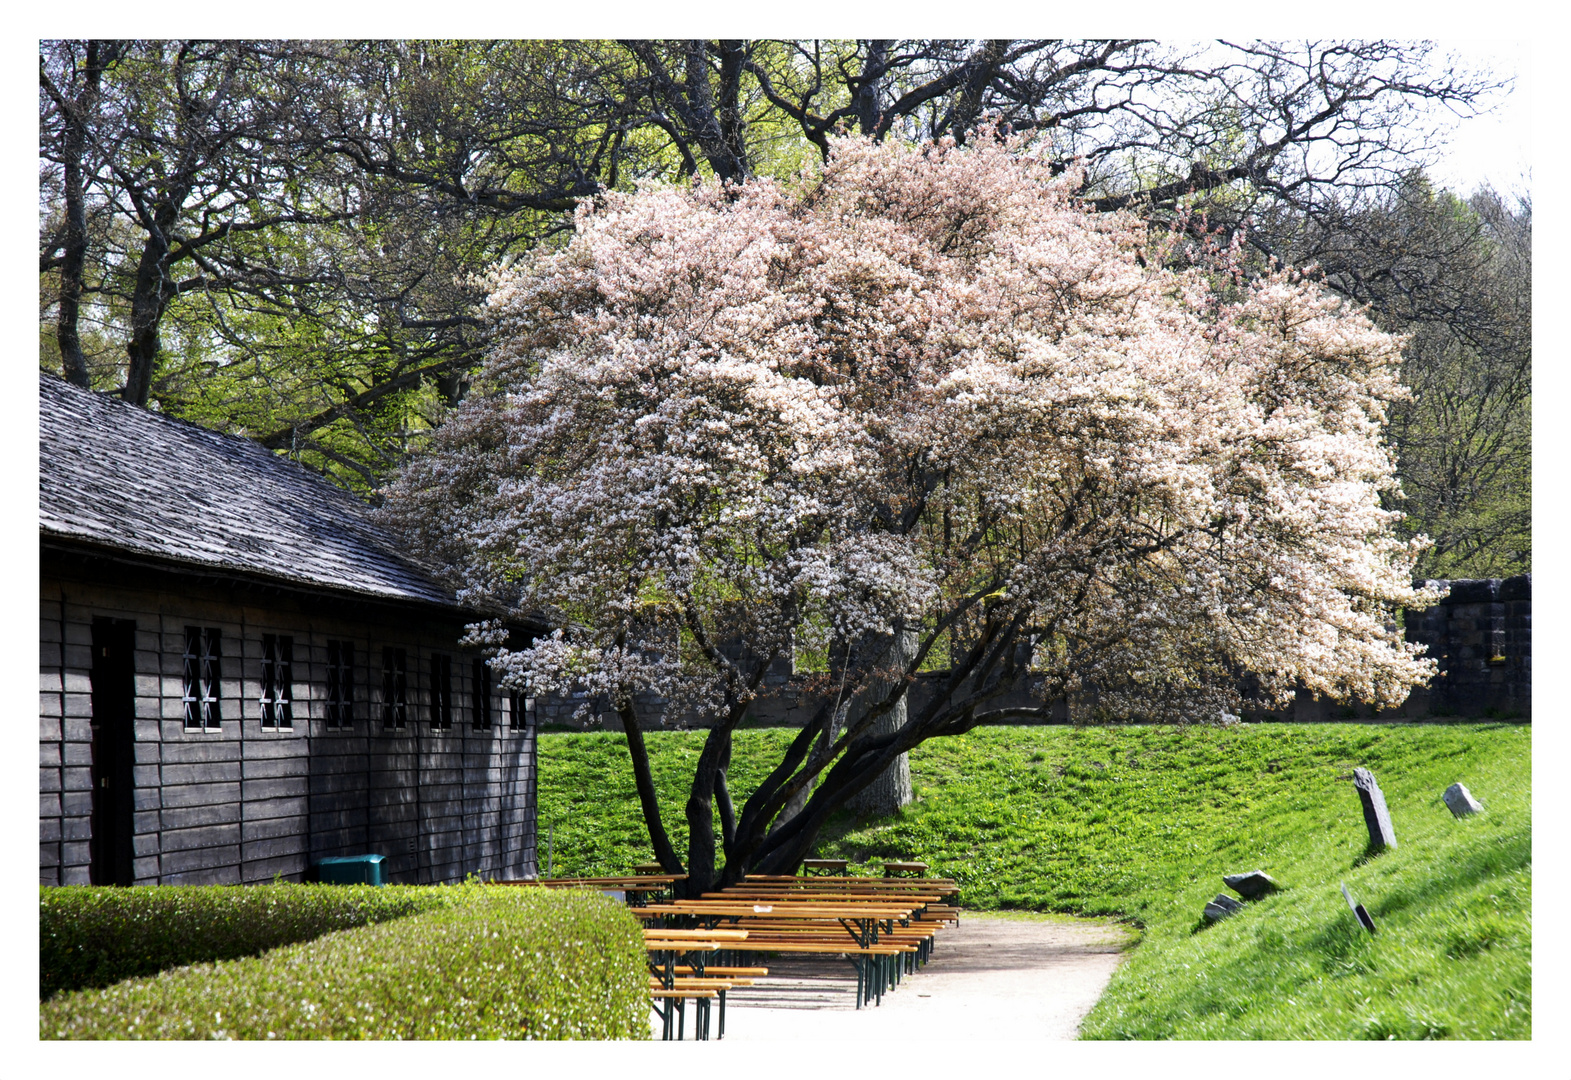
{"points": [[1251, 886], [1221, 908]]}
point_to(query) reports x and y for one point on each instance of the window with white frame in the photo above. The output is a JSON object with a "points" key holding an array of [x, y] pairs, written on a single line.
{"points": [[340, 684], [441, 691], [518, 709], [395, 688], [480, 682], [278, 664], [201, 679]]}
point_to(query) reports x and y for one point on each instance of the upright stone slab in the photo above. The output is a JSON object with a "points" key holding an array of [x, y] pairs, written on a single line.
{"points": [[1461, 801], [1376, 817], [1359, 911]]}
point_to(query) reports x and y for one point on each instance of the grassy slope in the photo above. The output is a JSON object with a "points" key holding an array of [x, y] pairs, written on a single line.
{"points": [[1142, 822]]}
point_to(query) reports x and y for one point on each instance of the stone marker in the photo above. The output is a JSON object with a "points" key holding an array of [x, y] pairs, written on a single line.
{"points": [[1251, 886], [1376, 817], [1461, 801], [1221, 908], [1359, 912]]}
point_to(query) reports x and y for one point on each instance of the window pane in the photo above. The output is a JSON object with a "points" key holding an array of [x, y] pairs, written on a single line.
{"points": [[192, 679], [481, 683], [211, 678]]}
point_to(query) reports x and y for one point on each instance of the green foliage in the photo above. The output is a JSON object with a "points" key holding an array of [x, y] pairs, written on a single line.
{"points": [[92, 937], [1455, 276], [493, 962], [590, 806], [1141, 823]]}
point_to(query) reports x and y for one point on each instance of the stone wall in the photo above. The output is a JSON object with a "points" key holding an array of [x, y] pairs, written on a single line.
{"points": [[1482, 635]]}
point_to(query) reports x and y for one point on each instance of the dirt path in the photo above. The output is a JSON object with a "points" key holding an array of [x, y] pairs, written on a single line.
{"points": [[1029, 978]]}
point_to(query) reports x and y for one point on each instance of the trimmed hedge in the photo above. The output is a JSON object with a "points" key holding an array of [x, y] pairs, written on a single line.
{"points": [[93, 937], [499, 963]]}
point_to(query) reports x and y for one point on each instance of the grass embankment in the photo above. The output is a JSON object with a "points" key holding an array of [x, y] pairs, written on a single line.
{"points": [[1141, 824]]}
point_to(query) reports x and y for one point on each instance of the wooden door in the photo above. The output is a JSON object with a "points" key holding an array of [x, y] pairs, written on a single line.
{"points": [[114, 750]]}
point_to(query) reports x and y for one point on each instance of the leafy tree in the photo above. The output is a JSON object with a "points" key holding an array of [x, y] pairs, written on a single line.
{"points": [[68, 121], [1455, 277], [926, 394], [282, 238]]}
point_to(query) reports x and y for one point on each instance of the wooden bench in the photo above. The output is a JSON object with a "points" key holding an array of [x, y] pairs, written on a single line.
{"points": [[824, 866], [944, 886], [694, 935], [700, 988], [675, 1002]]}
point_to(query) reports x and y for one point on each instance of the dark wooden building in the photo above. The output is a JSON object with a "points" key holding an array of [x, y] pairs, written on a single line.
{"points": [[240, 673]]}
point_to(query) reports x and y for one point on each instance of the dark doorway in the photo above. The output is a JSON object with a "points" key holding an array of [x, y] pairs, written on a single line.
{"points": [[114, 750]]}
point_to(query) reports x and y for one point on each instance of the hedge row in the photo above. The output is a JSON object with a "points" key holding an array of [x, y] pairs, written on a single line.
{"points": [[499, 963], [92, 937]]}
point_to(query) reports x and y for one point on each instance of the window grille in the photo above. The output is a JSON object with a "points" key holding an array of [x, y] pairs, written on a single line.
{"points": [[395, 688], [202, 679], [441, 691], [278, 656], [481, 683], [340, 683], [518, 709]]}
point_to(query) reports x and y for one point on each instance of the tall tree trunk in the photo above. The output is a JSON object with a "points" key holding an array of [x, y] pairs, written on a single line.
{"points": [[76, 115], [821, 746], [644, 781], [148, 303], [865, 99], [890, 789]]}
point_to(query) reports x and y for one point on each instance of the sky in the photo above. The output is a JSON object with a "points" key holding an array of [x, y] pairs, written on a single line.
{"points": [[1494, 148]]}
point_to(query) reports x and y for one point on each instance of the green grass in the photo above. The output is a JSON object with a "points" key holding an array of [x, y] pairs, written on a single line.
{"points": [[1141, 824]]}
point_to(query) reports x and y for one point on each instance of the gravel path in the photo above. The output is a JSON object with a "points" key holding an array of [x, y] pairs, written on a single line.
{"points": [[989, 978]]}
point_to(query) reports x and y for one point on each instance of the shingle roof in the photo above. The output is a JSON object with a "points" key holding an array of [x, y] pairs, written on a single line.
{"points": [[113, 474]]}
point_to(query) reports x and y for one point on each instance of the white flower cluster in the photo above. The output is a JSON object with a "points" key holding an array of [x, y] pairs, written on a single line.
{"points": [[932, 391]]}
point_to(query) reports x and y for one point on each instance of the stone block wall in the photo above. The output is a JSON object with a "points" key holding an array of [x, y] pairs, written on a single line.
{"points": [[1482, 635]]}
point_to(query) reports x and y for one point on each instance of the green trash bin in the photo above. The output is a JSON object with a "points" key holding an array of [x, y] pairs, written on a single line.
{"points": [[350, 870]]}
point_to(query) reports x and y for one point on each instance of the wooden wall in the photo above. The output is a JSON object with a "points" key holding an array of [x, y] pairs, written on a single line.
{"points": [[244, 804]]}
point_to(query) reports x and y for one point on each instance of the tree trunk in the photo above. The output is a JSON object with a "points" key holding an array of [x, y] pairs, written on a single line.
{"points": [[148, 302], [890, 789], [76, 115], [795, 804], [643, 780], [75, 254]]}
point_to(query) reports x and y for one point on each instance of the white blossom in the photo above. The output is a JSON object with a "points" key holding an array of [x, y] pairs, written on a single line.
{"points": [[721, 421]]}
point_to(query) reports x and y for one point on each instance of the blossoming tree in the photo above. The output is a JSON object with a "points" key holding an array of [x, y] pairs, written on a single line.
{"points": [[918, 411]]}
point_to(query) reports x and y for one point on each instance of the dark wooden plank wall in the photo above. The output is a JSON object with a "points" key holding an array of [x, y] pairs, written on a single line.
{"points": [[244, 804]]}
